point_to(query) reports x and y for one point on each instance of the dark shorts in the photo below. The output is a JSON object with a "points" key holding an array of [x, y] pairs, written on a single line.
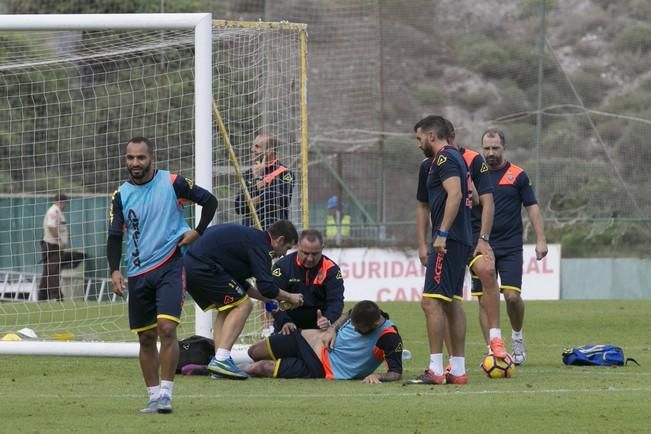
{"points": [[445, 272], [294, 357], [508, 265], [475, 287], [211, 286], [158, 293]]}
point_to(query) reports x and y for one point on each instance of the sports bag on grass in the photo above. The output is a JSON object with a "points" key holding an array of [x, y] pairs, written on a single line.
{"points": [[596, 355], [195, 350]]}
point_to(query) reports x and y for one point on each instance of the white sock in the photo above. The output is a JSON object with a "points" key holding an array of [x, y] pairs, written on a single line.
{"points": [[222, 354], [494, 333], [153, 392], [436, 363], [458, 366], [516, 335], [166, 387]]}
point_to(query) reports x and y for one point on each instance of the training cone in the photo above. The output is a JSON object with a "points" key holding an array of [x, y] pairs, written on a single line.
{"points": [[11, 337]]}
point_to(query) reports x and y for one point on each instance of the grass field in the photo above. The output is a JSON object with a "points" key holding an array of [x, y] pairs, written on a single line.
{"points": [[84, 395]]}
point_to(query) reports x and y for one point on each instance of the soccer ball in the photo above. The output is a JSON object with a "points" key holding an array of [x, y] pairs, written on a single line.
{"points": [[498, 368]]}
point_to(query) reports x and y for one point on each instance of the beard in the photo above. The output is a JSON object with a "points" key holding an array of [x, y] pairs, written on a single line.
{"points": [[428, 151], [139, 174], [493, 162]]}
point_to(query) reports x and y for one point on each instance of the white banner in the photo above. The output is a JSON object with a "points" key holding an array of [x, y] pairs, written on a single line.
{"points": [[394, 275]]}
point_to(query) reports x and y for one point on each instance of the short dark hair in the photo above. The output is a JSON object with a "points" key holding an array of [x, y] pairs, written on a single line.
{"points": [[59, 197], [311, 235], [145, 140], [365, 314], [438, 124], [494, 132], [451, 133], [284, 228]]}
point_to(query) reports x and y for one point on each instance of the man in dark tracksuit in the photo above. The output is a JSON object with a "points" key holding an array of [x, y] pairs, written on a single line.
{"points": [[269, 183], [216, 269], [307, 271]]}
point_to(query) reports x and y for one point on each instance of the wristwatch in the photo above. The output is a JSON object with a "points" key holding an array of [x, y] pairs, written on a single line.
{"points": [[484, 237]]}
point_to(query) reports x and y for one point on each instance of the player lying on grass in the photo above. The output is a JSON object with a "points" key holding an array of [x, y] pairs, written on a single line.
{"points": [[352, 348]]}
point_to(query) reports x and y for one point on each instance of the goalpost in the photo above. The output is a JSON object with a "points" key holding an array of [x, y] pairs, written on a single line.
{"points": [[73, 88]]}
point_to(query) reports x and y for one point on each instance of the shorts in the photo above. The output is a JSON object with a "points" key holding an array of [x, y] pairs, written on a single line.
{"points": [[476, 289], [294, 357], [158, 293], [211, 286], [508, 265], [445, 272]]}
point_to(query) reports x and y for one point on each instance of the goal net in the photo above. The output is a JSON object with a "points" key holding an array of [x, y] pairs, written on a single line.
{"points": [[70, 100]]}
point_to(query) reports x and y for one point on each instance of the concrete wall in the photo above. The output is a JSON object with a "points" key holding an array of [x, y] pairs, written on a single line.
{"points": [[605, 278]]}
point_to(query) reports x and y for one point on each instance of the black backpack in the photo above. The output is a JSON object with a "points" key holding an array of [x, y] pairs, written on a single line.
{"points": [[195, 350]]}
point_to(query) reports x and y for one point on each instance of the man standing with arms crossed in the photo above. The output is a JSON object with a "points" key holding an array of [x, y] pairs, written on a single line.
{"points": [[512, 191], [448, 202], [149, 206]]}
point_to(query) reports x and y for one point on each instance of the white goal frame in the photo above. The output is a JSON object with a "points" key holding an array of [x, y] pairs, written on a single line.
{"points": [[201, 24]]}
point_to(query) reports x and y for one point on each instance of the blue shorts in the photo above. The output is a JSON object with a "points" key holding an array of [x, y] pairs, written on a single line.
{"points": [[445, 272], [508, 265], [211, 286], [158, 293], [294, 357]]}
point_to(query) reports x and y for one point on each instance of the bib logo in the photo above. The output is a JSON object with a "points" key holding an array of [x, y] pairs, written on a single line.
{"points": [[442, 159]]}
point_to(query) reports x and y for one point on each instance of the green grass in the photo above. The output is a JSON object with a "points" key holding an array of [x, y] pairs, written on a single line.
{"points": [[46, 394]]}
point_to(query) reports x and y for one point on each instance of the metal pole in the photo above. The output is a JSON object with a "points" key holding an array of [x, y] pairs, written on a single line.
{"points": [[541, 60], [203, 133], [382, 211]]}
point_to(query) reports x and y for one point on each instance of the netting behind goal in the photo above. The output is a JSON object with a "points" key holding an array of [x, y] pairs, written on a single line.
{"points": [[69, 101]]}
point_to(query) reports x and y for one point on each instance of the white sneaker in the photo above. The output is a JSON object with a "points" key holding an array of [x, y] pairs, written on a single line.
{"points": [[151, 407], [518, 353]]}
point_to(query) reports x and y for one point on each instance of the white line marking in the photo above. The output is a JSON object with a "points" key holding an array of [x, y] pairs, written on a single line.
{"points": [[444, 391]]}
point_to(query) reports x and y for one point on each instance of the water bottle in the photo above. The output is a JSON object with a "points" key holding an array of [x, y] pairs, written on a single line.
{"points": [[406, 355], [271, 306]]}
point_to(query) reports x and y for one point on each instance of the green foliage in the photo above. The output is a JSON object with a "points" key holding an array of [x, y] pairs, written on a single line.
{"points": [[591, 88], [533, 8], [473, 101], [520, 134], [611, 130], [633, 103], [497, 58], [584, 239], [635, 144], [636, 37], [512, 100], [640, 9], [430, 93], [561, 139], [101, 6]]}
